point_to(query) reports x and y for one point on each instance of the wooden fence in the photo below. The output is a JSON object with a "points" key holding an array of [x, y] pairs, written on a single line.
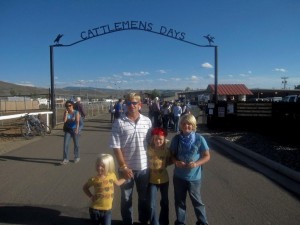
{"points": [[8, 106], [270, 116]]}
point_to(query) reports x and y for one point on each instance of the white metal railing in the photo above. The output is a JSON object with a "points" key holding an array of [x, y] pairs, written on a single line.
{"points": [[17, 116]]}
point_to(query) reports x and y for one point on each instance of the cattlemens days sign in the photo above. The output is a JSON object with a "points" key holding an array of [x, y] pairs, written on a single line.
{"points": [[131, 25]]}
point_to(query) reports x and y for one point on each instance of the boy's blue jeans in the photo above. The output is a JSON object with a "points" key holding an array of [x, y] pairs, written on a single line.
{"points": [[164, 204], [181, 188], [141, 179]]}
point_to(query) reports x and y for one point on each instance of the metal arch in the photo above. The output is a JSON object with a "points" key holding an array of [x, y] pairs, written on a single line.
{"points": [[53, 104], [114, 31]]}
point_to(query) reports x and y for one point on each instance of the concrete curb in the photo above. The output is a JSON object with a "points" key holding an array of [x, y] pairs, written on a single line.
{"points": [[271, 164]]}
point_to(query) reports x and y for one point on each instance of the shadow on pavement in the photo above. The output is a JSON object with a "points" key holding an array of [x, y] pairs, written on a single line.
{"points": [[36, 215], [34, 160], [98, 120], [27, 215]]}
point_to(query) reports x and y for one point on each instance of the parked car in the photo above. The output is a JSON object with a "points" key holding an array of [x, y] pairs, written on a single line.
{"points": [[291, 98], [274, 99]]}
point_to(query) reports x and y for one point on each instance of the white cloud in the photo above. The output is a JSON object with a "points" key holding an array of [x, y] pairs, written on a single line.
{"points": [[207, 65], [143, 73], [194, 78], [127, 74], [136, 74], [164, 80], [162, 71], [282, 70], [26, 83], [176, 79]]}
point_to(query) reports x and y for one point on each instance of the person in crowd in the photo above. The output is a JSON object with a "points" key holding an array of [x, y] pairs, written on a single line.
{"points": [[150, 110], [189, 152], [103, 194], [186, 108], [165, 111], [118, 109], [156, 112], [124, 108], [71, 128], [177, 111], [171, 117], [159, 158], [129, 140], [79, 107], [112, 111]]}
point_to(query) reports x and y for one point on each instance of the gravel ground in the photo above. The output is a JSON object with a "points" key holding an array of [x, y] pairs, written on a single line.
{"points": [[283, 149]]}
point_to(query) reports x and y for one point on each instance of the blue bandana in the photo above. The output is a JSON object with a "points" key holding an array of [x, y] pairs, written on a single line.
{"points": [[187, 140]]}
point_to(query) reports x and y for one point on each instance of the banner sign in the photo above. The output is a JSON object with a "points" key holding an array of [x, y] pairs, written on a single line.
{"points": [[131, 25]]}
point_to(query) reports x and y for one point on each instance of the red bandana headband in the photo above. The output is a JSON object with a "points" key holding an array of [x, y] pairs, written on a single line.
{"points": [[159, 131]]}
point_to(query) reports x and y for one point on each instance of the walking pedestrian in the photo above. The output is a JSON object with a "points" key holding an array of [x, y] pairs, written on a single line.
{"points": [[118, 109], [177, 111], [71, 128], [79, 107], [156, 112], [112, 111]]}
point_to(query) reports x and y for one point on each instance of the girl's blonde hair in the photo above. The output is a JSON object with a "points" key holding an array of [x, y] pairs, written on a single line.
{"points": [[188, 118], [108, 161]]}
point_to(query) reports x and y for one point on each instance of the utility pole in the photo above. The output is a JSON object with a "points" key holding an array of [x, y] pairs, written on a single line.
{"points": [[284, 82]]}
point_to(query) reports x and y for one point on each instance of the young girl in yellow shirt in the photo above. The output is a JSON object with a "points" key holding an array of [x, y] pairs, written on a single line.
{"points": [[103, 194]]}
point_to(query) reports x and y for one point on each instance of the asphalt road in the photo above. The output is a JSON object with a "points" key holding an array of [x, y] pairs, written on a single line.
{"points": [[36, 189]]}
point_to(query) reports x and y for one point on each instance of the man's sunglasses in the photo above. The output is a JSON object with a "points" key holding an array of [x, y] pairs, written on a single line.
{"points": [[131, 103]]}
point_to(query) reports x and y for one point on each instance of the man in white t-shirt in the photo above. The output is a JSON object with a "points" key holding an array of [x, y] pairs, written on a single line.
{"points": [[129, 140]]}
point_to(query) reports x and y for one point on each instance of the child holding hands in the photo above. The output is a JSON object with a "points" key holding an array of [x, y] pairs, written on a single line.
{"points": [[159, 159], [103, 183]]}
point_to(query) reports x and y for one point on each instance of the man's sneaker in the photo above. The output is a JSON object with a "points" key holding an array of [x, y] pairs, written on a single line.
{"points": [[76, 160], [64, 162]]}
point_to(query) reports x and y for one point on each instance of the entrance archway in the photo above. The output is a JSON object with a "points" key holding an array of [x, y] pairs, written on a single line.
{"points": [[126, 26]]}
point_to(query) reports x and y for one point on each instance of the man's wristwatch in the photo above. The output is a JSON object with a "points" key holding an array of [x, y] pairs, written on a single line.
{"points": [[123, 167]]}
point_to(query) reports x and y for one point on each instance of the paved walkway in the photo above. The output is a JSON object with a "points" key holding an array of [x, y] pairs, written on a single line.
{"points": [[36, 189]]}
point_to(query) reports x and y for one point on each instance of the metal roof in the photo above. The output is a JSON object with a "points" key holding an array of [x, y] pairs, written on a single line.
{"points": [[230, 89]]}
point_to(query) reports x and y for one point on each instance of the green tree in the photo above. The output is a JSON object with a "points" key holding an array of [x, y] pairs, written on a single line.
{"points": [[187, 89], [12, 92], [155, 93]]}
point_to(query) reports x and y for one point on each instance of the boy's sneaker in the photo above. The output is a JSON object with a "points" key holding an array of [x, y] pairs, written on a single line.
{"points": [[64, 162], [76, 160]]}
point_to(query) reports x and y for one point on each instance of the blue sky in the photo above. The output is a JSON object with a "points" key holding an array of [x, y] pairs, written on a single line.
{"points": [[258, 43]]}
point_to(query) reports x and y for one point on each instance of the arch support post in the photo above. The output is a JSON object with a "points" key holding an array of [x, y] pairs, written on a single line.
{"points": [[53, 102], [216, 74]]}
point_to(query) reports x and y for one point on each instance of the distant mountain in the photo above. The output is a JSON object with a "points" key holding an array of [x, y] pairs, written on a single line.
{"points": [[9, 89]]}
